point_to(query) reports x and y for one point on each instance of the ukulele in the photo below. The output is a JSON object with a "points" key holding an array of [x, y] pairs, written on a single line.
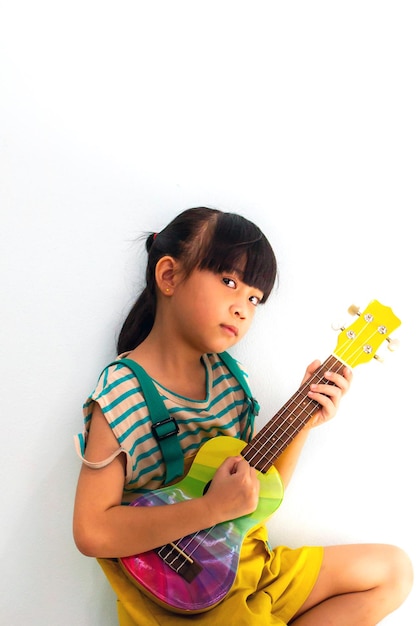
{"points": [[196, 572]]}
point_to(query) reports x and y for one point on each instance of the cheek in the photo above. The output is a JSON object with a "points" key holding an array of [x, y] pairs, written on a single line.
{"points": [[249, 319], [196, 308], [245, 327], [204, 309]]}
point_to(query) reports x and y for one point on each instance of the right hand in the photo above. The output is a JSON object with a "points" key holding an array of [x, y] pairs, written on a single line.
{"points": [[234, 489]]}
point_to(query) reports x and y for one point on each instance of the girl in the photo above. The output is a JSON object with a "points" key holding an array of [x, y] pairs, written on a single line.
{"points": [[207, 272]]}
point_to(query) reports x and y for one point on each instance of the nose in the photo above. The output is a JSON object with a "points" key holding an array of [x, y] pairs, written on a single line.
{"points": [[238, 311]]}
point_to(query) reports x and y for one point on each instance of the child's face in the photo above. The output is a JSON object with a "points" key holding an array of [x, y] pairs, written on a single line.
{"points": [[214, 311]]}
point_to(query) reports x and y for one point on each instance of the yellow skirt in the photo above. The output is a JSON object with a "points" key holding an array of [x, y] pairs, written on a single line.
{"points": [[270, 587]]}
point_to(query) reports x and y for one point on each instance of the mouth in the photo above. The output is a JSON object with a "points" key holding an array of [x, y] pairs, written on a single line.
{"points": [[231, 330]]}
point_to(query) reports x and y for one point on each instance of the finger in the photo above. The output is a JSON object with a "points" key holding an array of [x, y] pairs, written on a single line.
{"points": [[229, 465], [310, 370], [348, 374], [341, 381], [326, 401], [314, 365], [254, 475], [242, 466], [328, 396]]}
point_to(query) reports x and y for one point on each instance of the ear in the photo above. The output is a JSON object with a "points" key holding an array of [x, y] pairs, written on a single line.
{"points": [[166, 274]]}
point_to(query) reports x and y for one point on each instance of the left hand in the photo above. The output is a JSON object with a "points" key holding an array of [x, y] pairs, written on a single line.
{"points": [[328, 396]]}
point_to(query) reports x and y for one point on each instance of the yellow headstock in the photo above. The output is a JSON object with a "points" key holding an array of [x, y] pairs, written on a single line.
{"points": [[359, 342]]}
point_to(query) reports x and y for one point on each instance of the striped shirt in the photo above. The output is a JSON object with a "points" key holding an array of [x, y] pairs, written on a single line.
{"points": [[224, 411]]}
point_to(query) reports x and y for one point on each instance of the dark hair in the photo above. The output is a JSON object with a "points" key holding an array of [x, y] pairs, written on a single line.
{"points": [[201, 238]]}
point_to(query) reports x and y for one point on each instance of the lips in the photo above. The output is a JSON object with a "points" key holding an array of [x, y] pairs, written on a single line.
{"points": [[232, 330]]}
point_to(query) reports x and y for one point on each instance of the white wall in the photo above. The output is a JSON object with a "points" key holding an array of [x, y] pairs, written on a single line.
{"points": [[117, 115]]}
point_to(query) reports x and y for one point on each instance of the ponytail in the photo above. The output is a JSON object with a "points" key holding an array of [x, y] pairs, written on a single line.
{"points": [[138, 323]]}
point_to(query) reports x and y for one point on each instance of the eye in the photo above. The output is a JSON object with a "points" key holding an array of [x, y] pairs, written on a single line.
{"points": [[229, 282], [255, 300]]}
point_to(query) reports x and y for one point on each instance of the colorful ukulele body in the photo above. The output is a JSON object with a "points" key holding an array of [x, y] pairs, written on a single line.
{"points": [[196, 572], [199, 570]]}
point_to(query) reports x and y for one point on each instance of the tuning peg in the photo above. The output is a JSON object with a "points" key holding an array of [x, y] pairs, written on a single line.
{"points": [[378, 358], [354, 310], [392, 344]]}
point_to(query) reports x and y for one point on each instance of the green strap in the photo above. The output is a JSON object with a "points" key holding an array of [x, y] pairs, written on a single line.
{"points": [[233, 367], [164, 427]]}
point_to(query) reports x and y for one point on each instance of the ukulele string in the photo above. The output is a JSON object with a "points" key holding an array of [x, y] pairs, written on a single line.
{"points": [[180, 550]]}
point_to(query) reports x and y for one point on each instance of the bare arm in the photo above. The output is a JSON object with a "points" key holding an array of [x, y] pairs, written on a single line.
{"points": [[329, 397], [105, 528]]}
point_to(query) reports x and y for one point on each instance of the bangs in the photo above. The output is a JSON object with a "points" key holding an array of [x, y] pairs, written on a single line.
{"points": [[236, 244]]}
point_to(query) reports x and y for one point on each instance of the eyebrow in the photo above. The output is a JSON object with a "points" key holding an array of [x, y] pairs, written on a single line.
{"points": [[240, 273]]}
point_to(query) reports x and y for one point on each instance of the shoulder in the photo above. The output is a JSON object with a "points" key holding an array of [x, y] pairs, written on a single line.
{"points": [[115, 379], [224, 364], [117, 390], [227, 373]]}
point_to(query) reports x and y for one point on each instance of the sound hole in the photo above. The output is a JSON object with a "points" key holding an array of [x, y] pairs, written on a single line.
{"points": [[207, 487]]}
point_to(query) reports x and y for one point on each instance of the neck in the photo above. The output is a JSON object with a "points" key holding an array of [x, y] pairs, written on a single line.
{"points": [[181, 371], [275, 436]]}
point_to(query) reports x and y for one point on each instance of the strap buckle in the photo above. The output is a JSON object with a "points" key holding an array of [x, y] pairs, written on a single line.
{"points": [[254, 405], [165, 428]]}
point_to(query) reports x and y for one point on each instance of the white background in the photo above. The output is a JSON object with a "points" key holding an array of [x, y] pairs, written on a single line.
{"points": [[117, 115]]}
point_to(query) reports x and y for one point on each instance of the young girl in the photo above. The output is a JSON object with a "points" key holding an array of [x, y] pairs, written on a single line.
{"points": [[207, 272]]}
